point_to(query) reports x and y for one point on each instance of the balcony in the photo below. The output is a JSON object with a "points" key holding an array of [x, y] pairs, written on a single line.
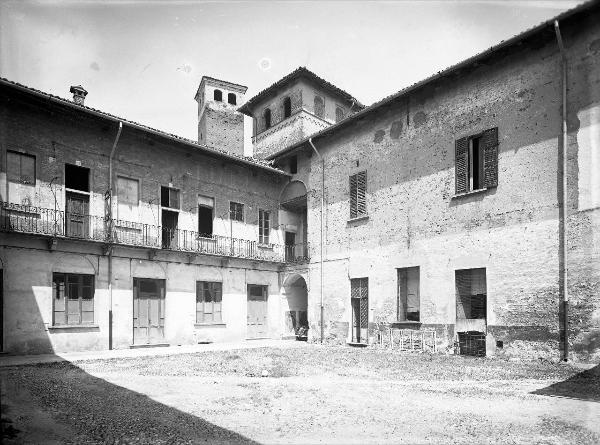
{"points": [[58, 224]]}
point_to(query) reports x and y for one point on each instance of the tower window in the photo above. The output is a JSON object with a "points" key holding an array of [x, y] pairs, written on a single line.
{"points": [[231, 99], [218, 95], [267, 118], [319, 106], [287, 107]]}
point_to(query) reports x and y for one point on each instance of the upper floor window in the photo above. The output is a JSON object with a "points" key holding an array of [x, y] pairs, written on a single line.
{"points": [[287, 107], [20, 168], [294, 165], [218, 95], [236, 211], [73, 299], [267, 118], [339, 114], [476, 161], [77, 178], [169, 197], [264, 226], [128, 198], [231, 99], [319, 106], [358, 195]]}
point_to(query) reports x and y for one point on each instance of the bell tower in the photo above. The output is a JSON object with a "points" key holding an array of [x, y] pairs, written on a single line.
{"points": [[220, 125]]}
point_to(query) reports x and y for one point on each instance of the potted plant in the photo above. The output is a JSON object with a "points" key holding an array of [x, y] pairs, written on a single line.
{"points": [[301, 333]]}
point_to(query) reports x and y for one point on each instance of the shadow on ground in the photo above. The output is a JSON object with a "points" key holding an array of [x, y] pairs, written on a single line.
{"points": [[583, 386], [92, 410]]}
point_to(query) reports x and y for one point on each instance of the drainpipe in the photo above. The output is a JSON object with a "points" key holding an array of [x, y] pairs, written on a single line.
{"points": [[110, 236], [563, 208], [322, 228]]}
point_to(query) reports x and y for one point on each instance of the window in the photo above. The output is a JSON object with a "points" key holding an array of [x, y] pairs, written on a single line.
{"points": [[231, 99], [128, 199], [408, 294], [294, 164], [169, 197], [471, 294], [476, 160], [77, 178], [358, 195], [73, 297], [236, 211], [264, 226], [267, 118], [208, 302], [218, 95], [287, 107], [339, 114], [20, 168], [319, 106], [205, 215]]}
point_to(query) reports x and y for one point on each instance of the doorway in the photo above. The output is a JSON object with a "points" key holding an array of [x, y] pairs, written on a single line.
{"points": [[359, 297], [148, 311], [257, 311], [169, 229], [290, 246], [471, 311], [77, 215]]}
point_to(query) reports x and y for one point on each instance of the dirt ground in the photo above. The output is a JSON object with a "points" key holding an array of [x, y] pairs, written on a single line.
{"points": [[312, 394]]}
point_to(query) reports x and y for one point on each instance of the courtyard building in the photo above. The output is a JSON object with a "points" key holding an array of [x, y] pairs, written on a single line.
{"points": [[466, 206]]}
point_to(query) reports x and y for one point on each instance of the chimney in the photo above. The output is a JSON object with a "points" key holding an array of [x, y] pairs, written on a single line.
{"points": [[79, 94]]}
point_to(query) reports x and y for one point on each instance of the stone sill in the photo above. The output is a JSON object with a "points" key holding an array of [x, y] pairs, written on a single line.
{"points": [[210, 325], [358, 218], [471, 192], [71, 327]]}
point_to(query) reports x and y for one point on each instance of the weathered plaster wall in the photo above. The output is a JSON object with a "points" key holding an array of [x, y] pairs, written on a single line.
{"points": [[512, 230], [28, 266]]}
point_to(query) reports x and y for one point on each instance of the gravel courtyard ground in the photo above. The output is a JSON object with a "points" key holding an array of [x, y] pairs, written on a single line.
{"points": [[310, 394]]}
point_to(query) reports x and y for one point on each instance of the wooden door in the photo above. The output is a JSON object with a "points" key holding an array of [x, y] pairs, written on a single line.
{"points": [[359, 298], [77, 215], [257, 311], [148, 311], [290, 246], [169, 229]]}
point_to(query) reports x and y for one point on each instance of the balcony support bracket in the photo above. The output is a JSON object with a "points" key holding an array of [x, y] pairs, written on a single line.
{"points": [[152, 254], [191, 257], [52, 243], [106, 249]]}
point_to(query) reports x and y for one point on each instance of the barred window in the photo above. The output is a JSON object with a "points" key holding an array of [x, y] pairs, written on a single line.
{"points": [[339, 114], [73, 299], [208, 302], [264, 226], [358, 195], [236, 211]]}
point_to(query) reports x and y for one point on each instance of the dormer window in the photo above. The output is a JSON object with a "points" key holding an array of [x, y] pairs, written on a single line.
{"points": [[231, 99], [287, 107], [218, 95], [267, 118], [319, 106]]}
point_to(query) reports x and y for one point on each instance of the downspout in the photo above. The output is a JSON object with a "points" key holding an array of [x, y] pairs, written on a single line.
{"points": [[563, 208], [110, 236], [322, 229]]}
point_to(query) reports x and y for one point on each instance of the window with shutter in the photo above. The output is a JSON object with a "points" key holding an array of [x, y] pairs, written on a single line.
{"points": [[476, 162], [358, 195]]}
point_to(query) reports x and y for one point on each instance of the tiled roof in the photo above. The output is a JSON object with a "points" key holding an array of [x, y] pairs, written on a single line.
{"points": [[450, 70], [219, 153], [297, 73]]}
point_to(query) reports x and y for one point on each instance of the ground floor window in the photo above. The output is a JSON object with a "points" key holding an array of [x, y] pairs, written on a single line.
{"points": [[408, 294], [471, 294], [208, 302], [73, 299]]}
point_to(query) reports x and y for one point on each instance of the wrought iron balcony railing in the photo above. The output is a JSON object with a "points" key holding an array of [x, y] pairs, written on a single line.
{"points": [[60, 224]]}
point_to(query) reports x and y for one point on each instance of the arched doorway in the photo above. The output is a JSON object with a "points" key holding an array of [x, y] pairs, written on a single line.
{"points": [[296, 308]]}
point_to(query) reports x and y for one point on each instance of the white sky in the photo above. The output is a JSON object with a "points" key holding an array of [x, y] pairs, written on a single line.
{"points": [[143, 60]]}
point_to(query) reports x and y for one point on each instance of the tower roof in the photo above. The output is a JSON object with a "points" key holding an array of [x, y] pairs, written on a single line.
{"points": [[301, 72]]}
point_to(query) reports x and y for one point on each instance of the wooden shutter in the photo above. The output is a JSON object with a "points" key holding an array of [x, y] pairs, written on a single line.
{"points": [[489, 142], [358, 195], [461, 168], [353, 203]]}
